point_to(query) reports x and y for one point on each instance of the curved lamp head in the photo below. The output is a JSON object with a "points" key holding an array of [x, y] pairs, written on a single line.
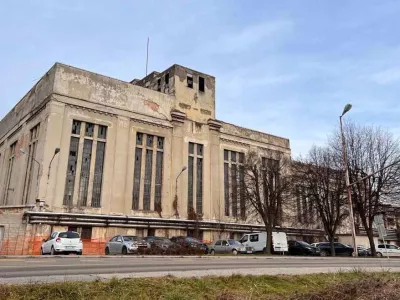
{"points": [[346, 109], [184, 168], [56, 150]]}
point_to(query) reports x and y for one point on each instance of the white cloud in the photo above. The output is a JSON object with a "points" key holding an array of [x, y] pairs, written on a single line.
{"points": [[387, 76], [250, 36]]}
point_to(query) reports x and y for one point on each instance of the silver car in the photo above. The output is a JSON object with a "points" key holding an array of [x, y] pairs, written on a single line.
{"points": [[125, 244], [227, 246]]}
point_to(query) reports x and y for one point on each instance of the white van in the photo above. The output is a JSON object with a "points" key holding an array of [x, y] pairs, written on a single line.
{"points": [[258, 241]]}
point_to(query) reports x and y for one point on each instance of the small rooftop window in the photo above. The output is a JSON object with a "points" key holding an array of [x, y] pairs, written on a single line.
{"points": [[189, 80], [201, 84], [166, 78], [159, 84]]}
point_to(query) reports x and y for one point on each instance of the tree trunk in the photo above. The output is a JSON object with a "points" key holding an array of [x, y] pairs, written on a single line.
{"points": [[269, 240], [370, 235], [332, 244]]}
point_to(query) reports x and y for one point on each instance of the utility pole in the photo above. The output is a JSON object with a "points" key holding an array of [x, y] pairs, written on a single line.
{"points": [[348, 186]]}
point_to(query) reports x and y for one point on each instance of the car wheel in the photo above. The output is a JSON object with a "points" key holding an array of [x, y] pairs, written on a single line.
{"points": [[107, 251], [79, 253], [234, 252], [324, 253], [52, 251], [264, 251], [41, 251], [379, 254], [124, 251], [212, 252]]}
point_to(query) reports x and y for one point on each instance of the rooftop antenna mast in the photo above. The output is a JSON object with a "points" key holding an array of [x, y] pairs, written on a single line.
{"points": [[147, 55]]}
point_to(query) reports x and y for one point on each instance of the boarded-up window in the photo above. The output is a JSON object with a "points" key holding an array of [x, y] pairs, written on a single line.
{"points": [[226, 188], [71, 171], [159, 171], [92, 138], [9, 188], [153, 148], [190, 181], [234, 184], [199, 186], [85, 172], [195, 178], [98, 174], [136, 178], [31, 166], [147, 179]]}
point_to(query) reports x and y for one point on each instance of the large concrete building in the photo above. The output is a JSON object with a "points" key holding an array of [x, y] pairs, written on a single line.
{"points": [[99, 155]]}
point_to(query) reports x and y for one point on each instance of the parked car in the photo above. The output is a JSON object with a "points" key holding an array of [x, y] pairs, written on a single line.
{"points": [[62, 242], [315, 245], [387, 250], [258, 241], [228, 246], [190, 242], [160, 242], [340, 249], [125, 244], [362, 251], [302, 248]]}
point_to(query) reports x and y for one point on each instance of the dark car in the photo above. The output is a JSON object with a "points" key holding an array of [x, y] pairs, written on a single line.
{"points": [[362, 251], [190, 242], [340, 249], [160, 242], [302, 248]]}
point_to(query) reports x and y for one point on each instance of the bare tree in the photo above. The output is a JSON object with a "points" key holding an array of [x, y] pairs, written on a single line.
{"points": [[371, 151], [319, 178], [267, 187], [197, 218]]}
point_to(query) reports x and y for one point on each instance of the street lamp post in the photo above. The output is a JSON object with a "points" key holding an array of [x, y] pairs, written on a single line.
{"points": [[176, 185], [348, 186], [56, 151]]}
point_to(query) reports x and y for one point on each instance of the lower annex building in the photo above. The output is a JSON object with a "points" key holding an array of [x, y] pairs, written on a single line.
{"points": [[101, 156]]}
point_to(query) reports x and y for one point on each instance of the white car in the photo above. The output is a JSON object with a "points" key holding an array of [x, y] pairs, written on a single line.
{"points": [[387, 250], [62, 242]]}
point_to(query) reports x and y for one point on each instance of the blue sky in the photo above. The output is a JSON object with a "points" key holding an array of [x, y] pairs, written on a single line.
{"points": [[282, 67]]}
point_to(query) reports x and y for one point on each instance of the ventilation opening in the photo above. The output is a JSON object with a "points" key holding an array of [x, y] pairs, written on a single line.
{"points": [[201, 84]]}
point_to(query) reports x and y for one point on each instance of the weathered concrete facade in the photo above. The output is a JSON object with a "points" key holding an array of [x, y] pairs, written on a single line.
{"points": [[122, 146]]}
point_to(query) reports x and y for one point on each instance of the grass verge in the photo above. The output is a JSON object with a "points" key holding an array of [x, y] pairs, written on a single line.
{"points": [[341, 285]]}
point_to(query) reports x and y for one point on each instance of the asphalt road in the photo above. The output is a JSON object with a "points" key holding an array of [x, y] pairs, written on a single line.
{"points": [[60, 268]]}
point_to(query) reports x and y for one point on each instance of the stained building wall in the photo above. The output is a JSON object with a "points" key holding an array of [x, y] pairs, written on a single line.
{"points": [[181, 116]]}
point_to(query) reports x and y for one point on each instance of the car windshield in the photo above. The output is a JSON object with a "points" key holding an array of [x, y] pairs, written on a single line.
{"points": [[233, 242], [130, 238], [304, 243], [243, 239], [69, 235]]}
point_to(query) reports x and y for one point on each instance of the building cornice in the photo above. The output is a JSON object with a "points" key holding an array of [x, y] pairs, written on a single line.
{"points": [[90, 110]]}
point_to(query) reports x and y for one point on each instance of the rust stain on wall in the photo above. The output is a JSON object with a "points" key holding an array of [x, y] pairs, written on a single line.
{"points": [[153, 106]]}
